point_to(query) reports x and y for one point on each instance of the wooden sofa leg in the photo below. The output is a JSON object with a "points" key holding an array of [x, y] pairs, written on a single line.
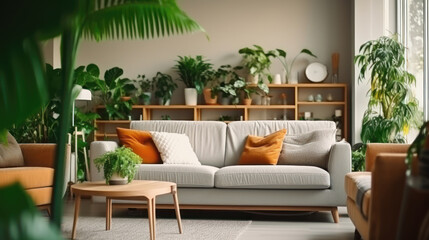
{"points": [[357, 235], [335, 215]]}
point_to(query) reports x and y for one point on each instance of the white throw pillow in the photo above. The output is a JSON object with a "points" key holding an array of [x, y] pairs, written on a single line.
{"points": [[311, 148], [174, 148]]}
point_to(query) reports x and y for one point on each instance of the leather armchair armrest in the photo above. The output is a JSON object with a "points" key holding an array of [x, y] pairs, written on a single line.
{"points": [[387, 185], [372, 149]]}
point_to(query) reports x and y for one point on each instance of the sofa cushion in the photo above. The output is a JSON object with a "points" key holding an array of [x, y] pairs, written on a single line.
{"points": [[207, 138], [357, 184], [198, 176], [174, 148], [263, 150], [238, 132], [29, 177], [310, 149], [272, 177], [10, 154], [141, 143]]}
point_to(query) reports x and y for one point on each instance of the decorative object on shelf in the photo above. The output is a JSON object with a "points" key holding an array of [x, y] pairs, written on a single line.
{"points": [[119, 166], [308, 115], [335, 63], [329, 97], [194, 73], [318, 97], [258, 62], [310, 98], [281, 56], [293, 78], [316, 72], [338, 119], [284, 99], [277, 79], [210, 97], [164, 87], [144, 90]]}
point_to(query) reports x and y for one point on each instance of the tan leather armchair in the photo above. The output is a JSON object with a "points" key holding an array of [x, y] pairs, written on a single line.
{"points": [[375, 212], [37, 174]]}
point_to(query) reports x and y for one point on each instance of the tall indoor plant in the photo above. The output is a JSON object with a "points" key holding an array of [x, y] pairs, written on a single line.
{"points": [[392, 108], [194, 72], [71, 19]]}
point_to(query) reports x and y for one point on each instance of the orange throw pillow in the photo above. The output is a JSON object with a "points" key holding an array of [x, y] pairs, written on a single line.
{"points": [[263, 150], [141, 143]]}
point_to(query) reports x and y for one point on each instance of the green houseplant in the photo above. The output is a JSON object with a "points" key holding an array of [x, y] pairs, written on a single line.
{"points": [[145, 88], [392, 108], [258, 61], [281, 56], [194, 73], [121, 163], [164, 87]]}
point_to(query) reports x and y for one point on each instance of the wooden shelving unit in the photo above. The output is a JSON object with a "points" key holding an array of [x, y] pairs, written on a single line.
{"points": [[297, 103]]}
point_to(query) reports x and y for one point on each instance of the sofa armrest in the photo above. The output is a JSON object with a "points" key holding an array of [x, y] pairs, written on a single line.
{"points": [[340, 161], [373, 149], [387, 185], [99, 148]]}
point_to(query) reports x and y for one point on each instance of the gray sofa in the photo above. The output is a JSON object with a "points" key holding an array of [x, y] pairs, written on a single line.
{"points": [[219, 183]]}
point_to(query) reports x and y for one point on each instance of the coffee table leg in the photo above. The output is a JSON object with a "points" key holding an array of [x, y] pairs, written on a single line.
{"points": [[108, 212], [76, 215], [176, 208], [150, 216]]}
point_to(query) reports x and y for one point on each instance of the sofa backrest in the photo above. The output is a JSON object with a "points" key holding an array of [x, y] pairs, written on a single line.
{"points": [[207, 137], [237, 133]]}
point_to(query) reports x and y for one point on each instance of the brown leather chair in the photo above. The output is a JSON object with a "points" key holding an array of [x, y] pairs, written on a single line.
{"points": [[375, 212], [37, 174]]}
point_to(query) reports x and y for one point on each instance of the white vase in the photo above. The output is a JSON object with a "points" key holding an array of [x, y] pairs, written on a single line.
{"points": [[277, 79], [161, 102], [116, 179], [294, 76], [191, 96], [284, 76]]}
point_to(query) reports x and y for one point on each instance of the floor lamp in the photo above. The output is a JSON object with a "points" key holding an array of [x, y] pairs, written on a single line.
{"points": [[84, 95]]}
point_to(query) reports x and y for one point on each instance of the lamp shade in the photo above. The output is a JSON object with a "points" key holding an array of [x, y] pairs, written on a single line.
{"points": [[84, 95]]}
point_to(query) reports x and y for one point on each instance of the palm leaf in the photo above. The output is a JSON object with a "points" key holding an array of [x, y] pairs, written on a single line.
{"points": [[137, 19]]}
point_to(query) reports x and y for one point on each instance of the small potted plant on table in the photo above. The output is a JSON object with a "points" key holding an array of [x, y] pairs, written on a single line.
{"points": [[165, 87], [119, 166]]}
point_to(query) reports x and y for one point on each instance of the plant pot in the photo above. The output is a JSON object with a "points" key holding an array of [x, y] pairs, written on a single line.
{"points": [[247, 101], [161, 102], [146, 97], [118, 180], [224, 100], [235, 101], [253, 79], [208, 97], [191, 96], [125, 98]]}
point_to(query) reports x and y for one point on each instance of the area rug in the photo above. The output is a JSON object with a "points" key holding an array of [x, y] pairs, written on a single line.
{"points": [[166, 229]]}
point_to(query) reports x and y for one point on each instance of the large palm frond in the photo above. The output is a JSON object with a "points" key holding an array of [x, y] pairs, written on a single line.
{"points": [[136, 19]]}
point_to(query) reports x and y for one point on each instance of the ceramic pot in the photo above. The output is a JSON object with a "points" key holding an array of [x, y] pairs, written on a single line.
{"points": [[224, 100], [253, 79], [161, 102], [191, 96], [207, 92], [118, 180], [247, 101], [125, 98], [146, 96]]}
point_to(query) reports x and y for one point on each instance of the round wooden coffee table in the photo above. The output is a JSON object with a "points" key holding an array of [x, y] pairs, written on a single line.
{"points": [[136, 190]]}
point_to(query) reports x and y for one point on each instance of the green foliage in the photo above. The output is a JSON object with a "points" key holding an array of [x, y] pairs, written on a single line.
{"points": [[122, 161], [164, 86], [281, 56], [258, 61], [358, 157], [165, 117], [194, 72], [20, 219], [392, 108], [418, 144]]}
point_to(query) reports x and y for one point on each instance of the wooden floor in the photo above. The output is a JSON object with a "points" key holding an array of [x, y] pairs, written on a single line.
{"points": [[265, 225]]}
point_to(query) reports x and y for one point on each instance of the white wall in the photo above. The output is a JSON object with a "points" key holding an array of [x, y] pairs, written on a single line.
{"points": [[323, 26], [372, 19]]}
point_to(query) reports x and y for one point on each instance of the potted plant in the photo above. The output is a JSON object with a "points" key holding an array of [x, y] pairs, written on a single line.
{"points": [[194, 73], [165, 87], [144, 92], [119, 166], [281, 56], [258, 62]]}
